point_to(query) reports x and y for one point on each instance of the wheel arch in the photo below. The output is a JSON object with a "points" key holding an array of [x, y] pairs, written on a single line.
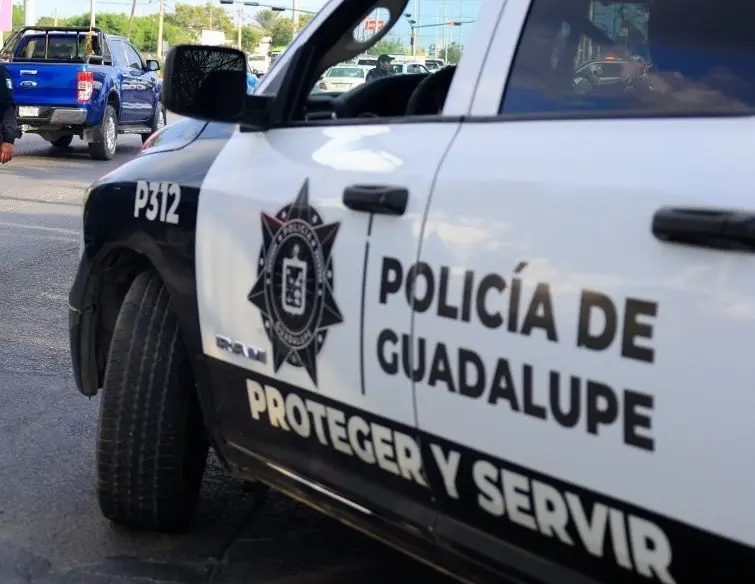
{"points": [[112, 271], [111, 277], [115, 99]]}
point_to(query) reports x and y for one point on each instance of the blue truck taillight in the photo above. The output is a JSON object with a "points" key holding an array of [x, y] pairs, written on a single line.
{"points": [[84, 86]]}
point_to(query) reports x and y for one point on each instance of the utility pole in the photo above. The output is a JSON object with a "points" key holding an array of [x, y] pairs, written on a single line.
{"points": [[29, 9], [55, 21], [131, 19], [91, 13], [295, 15], [445, 40], [160, 17], [240, 6]]}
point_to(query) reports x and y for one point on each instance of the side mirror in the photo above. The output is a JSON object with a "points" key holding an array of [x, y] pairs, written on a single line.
{"points": [[153, 65], [203, 82]]}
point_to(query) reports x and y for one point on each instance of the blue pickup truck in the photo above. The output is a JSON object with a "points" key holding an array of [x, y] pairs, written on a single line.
{"points": [[73, 81]]}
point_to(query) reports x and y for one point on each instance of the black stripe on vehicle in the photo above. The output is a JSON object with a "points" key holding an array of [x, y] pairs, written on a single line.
{"points": [[599, 536]]}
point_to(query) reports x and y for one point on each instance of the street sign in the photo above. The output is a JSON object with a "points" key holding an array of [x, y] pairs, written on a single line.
{"points": [[374, 24]]}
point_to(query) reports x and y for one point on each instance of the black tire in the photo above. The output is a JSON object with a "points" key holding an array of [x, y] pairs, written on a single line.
{"points": [[160, 111], [104, 145], [62, 142], [152, 444]]}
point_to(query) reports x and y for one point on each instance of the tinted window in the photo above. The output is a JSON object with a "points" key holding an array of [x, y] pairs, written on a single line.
{"points": [[132, 57], [629, 58], [59, 47], [119, 56]]}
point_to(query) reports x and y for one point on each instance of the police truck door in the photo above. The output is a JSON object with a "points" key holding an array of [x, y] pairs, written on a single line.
{"points": [[305, 238], [588, 394]]}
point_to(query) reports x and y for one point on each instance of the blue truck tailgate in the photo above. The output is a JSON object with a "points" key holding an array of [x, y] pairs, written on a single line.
{"points": [[45, 84]]}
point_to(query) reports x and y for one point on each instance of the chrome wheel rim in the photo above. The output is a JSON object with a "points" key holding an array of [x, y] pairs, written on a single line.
{"points": [[110, 134]]}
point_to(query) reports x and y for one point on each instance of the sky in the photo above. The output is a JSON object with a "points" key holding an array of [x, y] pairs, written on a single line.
{"points": [[423, 11]]}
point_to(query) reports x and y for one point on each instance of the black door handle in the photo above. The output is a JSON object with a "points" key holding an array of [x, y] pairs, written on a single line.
{"points": [[715, 228], [383, 200]]}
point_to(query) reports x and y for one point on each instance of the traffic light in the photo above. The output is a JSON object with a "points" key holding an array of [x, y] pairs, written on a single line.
{"points": [[411, 40], [454, 23], [226, 1]]}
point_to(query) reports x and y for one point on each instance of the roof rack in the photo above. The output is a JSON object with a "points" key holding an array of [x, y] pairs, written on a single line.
{"points": [[24, 29]]}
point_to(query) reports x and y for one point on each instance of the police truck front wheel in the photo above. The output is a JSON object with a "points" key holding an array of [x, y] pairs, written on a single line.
{"points": [[152, 444]]}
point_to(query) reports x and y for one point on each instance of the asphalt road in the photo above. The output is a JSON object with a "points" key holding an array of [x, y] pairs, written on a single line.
{"points": [[51, 531]]}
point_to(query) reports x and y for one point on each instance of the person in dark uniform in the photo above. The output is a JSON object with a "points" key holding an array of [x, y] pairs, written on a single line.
{"points": [[383, 68], [8, 122]]}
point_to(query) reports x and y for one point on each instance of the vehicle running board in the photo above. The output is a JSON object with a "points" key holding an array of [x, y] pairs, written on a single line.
{"points": [[134, 130]]}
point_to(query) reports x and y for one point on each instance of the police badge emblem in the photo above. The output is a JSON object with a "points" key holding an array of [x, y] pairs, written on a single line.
{"points": [[294, 287], [294, 279]]}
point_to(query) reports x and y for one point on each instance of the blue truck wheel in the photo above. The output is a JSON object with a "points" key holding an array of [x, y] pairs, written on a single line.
{"points": [[106, 136]]}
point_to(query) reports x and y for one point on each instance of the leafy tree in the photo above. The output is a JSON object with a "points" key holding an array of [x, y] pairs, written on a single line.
{"points": [[250, 38], [266, 20], [183, 26], [304, 19], [388, 46], [282, 32], [452, 53], [18, 16], [195, 18], [49, 21]]}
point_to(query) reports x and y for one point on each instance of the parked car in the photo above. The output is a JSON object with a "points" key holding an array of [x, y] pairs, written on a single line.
{"points": [[434, 64], [409, 67], [342, 78], [70, 82]]}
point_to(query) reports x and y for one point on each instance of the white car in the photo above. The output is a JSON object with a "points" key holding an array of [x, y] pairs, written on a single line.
{"points": [[402, 68], [432, 309], [342, 78]]}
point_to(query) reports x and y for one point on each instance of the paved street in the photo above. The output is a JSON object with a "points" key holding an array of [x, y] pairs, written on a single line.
{"points": [[51, 531]]}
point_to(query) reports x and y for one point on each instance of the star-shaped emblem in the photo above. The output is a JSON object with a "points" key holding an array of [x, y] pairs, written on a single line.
{"points": [[294, 287]]}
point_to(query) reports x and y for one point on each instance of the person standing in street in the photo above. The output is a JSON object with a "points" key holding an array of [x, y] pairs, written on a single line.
{"points": [[383, 68], [8, 122]]}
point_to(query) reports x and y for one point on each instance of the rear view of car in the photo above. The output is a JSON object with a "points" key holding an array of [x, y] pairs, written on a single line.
{"points": [[342, 78]]}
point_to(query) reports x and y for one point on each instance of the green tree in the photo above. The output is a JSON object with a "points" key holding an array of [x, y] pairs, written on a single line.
{"points": [[49, 21], [193, 19], [18, 16], [282, 32], [304, 19], [181, 27], [250, 38], [452, 53], [266, 20], [387, 46]]}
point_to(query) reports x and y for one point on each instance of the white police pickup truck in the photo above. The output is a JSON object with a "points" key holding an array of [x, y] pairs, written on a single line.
{"points": [[499, 319]]}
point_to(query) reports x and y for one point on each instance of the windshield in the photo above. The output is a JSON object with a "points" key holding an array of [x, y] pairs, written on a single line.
{"points": [[439, 41], [354, 72]]}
